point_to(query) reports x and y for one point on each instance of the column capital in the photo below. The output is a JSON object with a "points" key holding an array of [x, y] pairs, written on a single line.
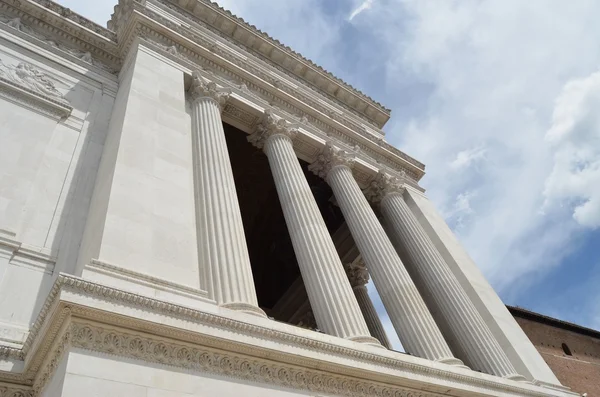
{"points": [[270, 125], [382, 185], [329, 158], [357, 273], [203, 88]]}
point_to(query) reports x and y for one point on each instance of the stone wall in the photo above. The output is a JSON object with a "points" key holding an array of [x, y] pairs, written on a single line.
{"points": [[581, 369]]}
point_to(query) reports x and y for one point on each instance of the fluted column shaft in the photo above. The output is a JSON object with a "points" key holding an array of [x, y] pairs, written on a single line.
{"points": [[332, 300], [359, 277], [222, 249], [416, 328], [452, 309]]}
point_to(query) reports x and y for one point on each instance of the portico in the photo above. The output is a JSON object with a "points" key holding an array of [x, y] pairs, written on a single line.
{"points": [[225, 206]]}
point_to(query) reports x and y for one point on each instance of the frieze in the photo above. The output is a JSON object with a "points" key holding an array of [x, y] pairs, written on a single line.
{"points": [[247, 119], [204, 360], [259, 71], [29, 87], [42, 25], [84, 56]]}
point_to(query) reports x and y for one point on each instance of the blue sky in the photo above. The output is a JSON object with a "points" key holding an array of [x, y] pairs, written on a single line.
{"points": [[500, 99]]}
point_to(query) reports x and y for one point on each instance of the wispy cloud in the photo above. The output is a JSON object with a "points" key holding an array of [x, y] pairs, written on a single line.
{"points": [[365, 5], [467, 157]]}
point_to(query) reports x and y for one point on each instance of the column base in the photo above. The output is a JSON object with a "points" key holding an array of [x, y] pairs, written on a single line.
{"points": [[367, 340], [517, 378], [455, 362], [245, 308]]}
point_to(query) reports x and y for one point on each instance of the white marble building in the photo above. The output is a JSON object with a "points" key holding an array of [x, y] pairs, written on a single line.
{"points": [[190, 208]]}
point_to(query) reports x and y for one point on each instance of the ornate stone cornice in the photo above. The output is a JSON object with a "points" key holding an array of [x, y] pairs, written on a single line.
{"points": [[329, 158], [382, 185], [204, 88], [357, 273], [270, 125]]}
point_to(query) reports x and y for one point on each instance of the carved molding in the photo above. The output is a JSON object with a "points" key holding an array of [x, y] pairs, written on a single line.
{"points": [[204, 88], [85, 56], [270, 125], [27, 86], [329, 158], [195, 358], [47, 342], [381, 185], [7, 390]]}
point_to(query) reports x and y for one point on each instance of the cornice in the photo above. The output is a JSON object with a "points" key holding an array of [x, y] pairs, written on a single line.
{"points": [[259, 43], [51, 30], [87, 44]]}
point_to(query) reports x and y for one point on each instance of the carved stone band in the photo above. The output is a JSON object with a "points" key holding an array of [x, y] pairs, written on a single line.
{"points": [[382, 185], [269, 126], [203, 88], [329, 158]]}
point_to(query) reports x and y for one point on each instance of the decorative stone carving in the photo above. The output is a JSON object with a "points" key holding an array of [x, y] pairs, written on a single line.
{"points": [[270, 125], [26, 75], [357, 273], [201, 359], [85, 56], [329, 158], [204, 88], [382, 185]]}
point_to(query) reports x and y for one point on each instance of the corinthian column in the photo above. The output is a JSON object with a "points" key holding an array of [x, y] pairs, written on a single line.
{"points": [[222, 249], [457, 317], [334, 305], [359, 277], [416, 328]]}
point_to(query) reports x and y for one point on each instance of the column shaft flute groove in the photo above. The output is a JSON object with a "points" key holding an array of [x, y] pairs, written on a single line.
{"points": [[470, 337], [414, 324], [333, 303], [222, 249], [370, 314]]}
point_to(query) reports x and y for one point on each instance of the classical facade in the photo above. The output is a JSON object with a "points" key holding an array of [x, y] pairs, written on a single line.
{"points": [[190, 208]]}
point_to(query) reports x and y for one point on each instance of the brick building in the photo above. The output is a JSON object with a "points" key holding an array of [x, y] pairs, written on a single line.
{"points": [[572, 351]]}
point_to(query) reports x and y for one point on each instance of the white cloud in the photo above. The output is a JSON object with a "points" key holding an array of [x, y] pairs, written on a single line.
{"points": [[575, 140], [365, 5], [495, 68], [465, 158]]}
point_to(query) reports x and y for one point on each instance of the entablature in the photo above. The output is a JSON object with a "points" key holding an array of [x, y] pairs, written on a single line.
{"points": [[191, 42]]}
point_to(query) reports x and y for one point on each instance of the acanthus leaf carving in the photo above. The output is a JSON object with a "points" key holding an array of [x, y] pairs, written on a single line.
{"points": [[269, 125], [329, 158], [204, 88], [381, 185]]}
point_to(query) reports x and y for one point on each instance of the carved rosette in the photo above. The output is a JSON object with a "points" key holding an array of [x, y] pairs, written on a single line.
{"points": [[329, 158], [270, 125], [357, 273], [204, 88], [382, 185]]}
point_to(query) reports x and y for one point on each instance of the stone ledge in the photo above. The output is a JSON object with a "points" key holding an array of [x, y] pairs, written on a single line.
{"points": [[280, 348]]}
